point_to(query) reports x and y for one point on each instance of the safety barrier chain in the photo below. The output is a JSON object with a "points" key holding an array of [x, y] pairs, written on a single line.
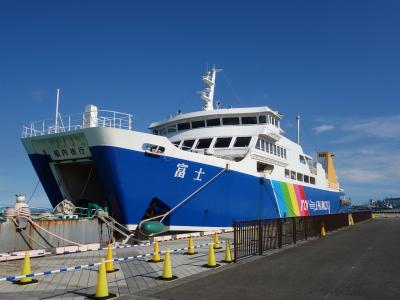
{"points": [[101, 248], [78, 250], [90, 265]]}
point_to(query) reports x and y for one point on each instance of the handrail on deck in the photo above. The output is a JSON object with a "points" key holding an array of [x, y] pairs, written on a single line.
{"points": [[87, 119]]}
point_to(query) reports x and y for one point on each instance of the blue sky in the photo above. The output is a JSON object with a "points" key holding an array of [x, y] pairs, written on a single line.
{"points": [[336, 63]]}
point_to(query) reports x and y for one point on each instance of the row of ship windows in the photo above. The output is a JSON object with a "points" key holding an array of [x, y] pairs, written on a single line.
{"points": [[222, 142], [218, 122], [299, 177], [271, 148]]}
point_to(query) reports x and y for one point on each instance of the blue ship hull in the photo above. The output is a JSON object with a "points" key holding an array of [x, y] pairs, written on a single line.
{"points": [[135, 181]]}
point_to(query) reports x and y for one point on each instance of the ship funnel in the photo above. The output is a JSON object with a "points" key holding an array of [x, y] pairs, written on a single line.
{"points": [[326, 159]]}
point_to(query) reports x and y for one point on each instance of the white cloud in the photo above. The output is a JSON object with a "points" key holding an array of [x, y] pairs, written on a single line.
{"points": [[323, 128], [39, 96], [382, 127]]}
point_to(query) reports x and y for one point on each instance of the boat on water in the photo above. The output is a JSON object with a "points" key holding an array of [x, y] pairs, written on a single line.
{"points": [[192, 171]]}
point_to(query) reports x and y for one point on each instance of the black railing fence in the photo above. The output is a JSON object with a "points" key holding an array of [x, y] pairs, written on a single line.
{"points": [[257, 236]]}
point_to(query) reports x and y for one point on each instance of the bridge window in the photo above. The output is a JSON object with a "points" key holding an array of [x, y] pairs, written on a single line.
{"points": [[302, 160], [187, 145], [312, 180], [176, 143], [249, 120], [198, 124], [306, 178], [213, 122], [262, 119], [163, 131], [230, 121], [258, 144], [183, 126], [155, 131], [299, 177], [243, 141], [223, 142], [287, 173], [204, 143], [171, 128], [293, 175], [284, 153]]}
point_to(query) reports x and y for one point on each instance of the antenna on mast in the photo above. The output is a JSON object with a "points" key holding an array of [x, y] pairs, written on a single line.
{"points": [[207, 94], [298, 129], [57, 113]]}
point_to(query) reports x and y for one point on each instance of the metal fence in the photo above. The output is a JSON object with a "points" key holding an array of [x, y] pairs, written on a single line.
{"points": [[257, 236]]}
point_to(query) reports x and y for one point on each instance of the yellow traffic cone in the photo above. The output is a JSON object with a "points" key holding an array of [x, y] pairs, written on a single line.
{"points": [[211, 258], [156, 255], [228, 257], [323, 233], [351, 221], [26, 269], [102, 284], [167, 268], [190, 250], [110, 264], [216, 242]]}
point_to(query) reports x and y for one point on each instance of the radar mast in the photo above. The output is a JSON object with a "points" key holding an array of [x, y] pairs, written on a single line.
{"points": [[207, 94]]}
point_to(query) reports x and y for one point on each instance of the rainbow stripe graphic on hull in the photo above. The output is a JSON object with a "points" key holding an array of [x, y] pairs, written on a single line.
{"points": [[291, 199]]}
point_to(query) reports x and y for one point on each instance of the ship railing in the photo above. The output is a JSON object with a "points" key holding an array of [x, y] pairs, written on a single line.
{"points": [[73, 122]]}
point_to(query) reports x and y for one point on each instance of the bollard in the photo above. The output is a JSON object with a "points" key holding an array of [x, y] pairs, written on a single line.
{"points": [[167, 269], [216, 242], [110, 264], [228, 256], [156, 254], [26, 269], [190, 250], [102, 284], [211, 258]]}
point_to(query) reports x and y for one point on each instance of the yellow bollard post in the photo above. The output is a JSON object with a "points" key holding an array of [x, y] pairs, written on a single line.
{"points": [[216, 242], [323, 233], [102, 284], [156, 255], [167, 268], [26, 269], [190, 250], [110, 264], [211, 258], [228, 256]]}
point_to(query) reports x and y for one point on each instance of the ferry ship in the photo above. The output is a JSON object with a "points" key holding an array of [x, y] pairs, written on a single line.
{"points": [[192, 171]]}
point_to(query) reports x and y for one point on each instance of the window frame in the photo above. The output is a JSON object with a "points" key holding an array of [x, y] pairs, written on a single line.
{"points": [[232, 118], [201, 140], [220, 138], [188, 123], [242, 137], [198, 121]]}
